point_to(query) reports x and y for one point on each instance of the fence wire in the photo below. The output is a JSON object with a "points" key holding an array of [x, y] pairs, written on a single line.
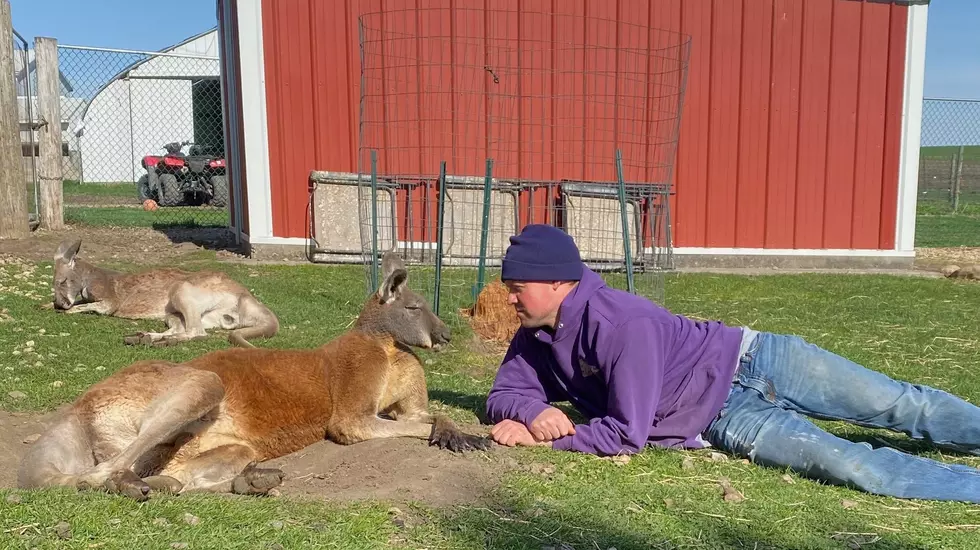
{"points": [[143, 138], [25, 87], [949, 162], [477, 122]]}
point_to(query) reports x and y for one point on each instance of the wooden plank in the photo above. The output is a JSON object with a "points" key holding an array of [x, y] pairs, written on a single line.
{"points": [[50, 170], [13, 191]]}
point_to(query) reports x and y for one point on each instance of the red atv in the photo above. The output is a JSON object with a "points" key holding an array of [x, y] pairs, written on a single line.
{"points": [[176, 179]]}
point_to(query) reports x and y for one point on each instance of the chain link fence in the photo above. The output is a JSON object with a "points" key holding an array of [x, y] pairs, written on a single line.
{"points": [[24, 85], [949, 162], [143, 137]]}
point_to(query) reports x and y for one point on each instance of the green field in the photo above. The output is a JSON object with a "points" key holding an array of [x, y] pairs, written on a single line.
{"points": [[922, 330], [136, 217], [970, 152]]}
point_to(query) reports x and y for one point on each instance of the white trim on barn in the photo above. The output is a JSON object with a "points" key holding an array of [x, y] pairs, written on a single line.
{"points": [[828, 252], [284, 241], [908, 179], [255, 123]]}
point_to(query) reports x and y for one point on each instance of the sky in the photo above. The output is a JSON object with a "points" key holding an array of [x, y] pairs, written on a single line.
{"points": [[952, 46], [126, 24], [953, 50]]}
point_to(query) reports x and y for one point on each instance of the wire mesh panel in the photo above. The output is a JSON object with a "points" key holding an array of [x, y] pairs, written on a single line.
{"points": [[144, 138], [477, 122], [25, 84], [949, 162]]}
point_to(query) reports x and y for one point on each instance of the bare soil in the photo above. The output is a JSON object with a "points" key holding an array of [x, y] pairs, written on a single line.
{"points": [[138, 245], [397, 470], [143, 245], [936, 258]]}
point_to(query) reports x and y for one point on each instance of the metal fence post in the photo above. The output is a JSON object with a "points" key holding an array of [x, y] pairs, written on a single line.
{"points": [[957, 179]]}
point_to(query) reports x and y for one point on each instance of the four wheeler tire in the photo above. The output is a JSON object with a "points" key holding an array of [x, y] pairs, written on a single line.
{"points": [[170, 194], [219, 184], [143, 189]]}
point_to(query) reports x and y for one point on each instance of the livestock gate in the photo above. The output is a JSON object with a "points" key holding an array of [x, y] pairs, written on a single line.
{"points": [[476, 122]]}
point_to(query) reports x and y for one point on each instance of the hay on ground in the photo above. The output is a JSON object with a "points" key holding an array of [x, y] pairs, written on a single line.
{"points": [[492, 318]]}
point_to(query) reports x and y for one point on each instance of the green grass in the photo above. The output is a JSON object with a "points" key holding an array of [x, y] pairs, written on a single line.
{"points": [[111, 189], [937, 226], [948, 230], [969, 152], [120, 216], [922, 330]]}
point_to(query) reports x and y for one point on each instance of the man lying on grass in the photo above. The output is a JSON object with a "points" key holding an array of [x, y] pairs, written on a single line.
{"points": [[643, 375]]}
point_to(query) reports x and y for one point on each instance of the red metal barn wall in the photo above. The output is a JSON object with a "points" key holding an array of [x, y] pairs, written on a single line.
{"points": [[791, 122]]}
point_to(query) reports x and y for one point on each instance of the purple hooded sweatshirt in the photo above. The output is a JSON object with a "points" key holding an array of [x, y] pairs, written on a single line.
{"points": [[641, 374]]}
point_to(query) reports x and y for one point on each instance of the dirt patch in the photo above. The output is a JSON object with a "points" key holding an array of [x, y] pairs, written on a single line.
{"points": [[15, 428], [139, 245], [491, 317], [936, 258], [398, 470]]}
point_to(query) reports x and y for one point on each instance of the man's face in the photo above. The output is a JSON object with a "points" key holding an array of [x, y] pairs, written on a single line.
{"points": [[536, 302]]}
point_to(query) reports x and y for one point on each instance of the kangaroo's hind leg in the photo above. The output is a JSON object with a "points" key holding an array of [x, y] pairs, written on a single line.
{"points": [[228, 468], [187, 305], [58, 456], [192, 394]]}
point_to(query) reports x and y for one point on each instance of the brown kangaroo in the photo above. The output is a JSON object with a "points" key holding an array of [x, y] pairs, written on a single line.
{"points": [[204, 425], [189, 302]]}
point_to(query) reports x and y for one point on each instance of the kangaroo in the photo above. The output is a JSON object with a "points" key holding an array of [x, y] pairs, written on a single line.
{"points": [[205, 424], [189, 302], [966, 272]]}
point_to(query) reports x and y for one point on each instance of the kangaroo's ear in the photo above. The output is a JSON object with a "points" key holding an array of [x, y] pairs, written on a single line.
{"points": [[393, 285], [67, 251], [390, 261]]}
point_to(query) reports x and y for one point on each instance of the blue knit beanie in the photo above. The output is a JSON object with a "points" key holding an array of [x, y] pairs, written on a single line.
{"points": [[542, 253]]}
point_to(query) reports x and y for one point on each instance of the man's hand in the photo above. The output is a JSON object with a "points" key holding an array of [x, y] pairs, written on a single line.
{"points": [[511, 433], [551, 424]]}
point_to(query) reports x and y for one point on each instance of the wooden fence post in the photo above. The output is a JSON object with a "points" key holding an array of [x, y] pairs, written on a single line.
{"points": [[957, 179], [50, 169], [13, 185]]}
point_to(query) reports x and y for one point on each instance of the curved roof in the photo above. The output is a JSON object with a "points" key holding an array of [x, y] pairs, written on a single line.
{"points": [[135, 65]]}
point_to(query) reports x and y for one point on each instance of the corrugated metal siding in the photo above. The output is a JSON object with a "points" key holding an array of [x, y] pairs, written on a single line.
{"points": [[789, 138]]}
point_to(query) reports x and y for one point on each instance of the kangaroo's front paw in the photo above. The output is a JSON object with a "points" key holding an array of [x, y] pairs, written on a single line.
{"points": [[447, 435]]}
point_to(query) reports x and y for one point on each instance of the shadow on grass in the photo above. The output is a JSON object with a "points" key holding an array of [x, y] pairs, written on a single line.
{"points": [[882, 438], [477, 404], [207, 237]]}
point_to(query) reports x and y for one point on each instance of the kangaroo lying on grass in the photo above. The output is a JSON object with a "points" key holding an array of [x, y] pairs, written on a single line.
{"points": [[189, 302], [205, 424]]}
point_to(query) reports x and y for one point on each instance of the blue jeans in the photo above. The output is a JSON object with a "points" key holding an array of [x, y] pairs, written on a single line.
{"points": [[781, 378]]}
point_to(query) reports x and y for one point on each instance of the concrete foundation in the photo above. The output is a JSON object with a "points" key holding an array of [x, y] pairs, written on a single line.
{"points": [[789, 261]]}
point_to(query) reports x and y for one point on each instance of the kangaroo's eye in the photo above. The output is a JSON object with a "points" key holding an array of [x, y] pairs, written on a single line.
{"points": [[412, 307]]}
